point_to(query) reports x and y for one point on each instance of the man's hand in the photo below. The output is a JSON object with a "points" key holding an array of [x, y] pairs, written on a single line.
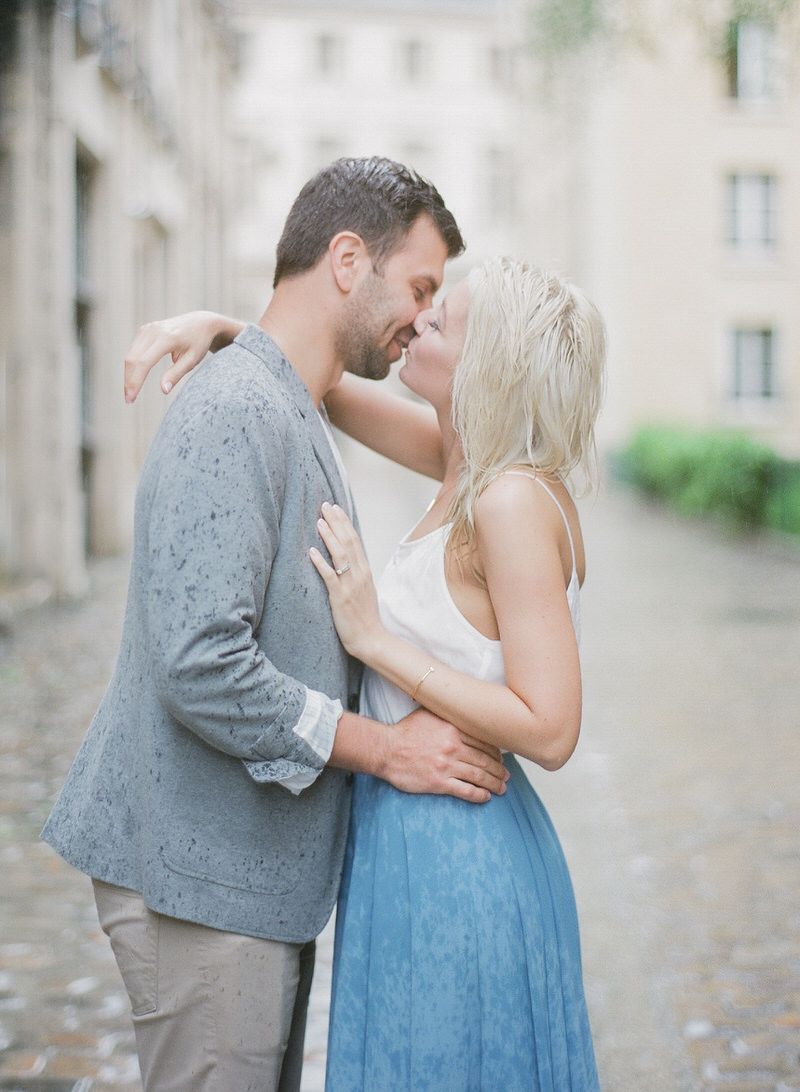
{"points": [[427, 755]]}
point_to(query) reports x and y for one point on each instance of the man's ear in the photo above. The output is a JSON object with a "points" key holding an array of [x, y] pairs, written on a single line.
{"points": [[347, 254]]}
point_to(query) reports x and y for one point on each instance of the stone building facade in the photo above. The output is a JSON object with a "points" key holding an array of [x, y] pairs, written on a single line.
{"points": [[656, 164], [427, 82], [146, 167], [664, 168], [114, 184]]}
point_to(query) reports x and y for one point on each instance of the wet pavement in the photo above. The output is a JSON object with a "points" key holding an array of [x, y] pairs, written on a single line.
{"points": [[679, 814]]}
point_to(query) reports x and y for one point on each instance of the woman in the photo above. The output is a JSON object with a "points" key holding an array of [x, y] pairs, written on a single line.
{"points": [[457, 961]]}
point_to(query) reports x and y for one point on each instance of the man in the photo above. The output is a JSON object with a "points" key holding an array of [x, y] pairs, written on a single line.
{"points": [[209, 801]]}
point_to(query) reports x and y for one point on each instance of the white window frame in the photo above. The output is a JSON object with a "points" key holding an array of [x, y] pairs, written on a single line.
{"points": [[753, 365], [324, 150], [501, 190], [328, 54], [415, 60], [753, 211], [420, 157], [755, 60], [498, 65]]}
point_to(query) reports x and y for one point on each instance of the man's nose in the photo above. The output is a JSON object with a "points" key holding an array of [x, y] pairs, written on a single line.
{"points": [[421, 321]]}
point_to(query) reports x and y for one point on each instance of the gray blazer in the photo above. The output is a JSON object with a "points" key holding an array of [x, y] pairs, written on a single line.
{"points": [[226, 621]]}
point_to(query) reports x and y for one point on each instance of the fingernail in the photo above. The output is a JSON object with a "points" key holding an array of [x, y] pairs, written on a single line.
{"points": [[166, 386], [325, 505]]}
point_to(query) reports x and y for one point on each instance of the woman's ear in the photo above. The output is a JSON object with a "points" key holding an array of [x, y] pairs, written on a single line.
{"points": [[347, 255]]}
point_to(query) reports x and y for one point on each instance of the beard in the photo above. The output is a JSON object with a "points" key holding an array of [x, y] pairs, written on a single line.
{"points": [[365, 321]]}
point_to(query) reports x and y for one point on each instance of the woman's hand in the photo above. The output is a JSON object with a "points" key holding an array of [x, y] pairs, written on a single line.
{"points": [[351, 589], [186, 338]]}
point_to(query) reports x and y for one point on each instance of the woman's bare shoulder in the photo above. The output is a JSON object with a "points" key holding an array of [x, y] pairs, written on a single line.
{"points": [[516, 510]]}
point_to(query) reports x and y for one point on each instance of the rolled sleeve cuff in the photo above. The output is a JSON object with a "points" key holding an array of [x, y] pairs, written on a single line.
{"points": [[317, 728]]}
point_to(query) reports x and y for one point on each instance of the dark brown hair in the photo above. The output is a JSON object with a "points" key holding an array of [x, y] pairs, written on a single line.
{"points": [[374, 197]]}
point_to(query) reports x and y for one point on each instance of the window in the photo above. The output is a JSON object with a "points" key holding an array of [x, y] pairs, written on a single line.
{"points": [[499, 66], [324, 150], [163, 68], [753, 365], [413, 60], [752, 200], [84, 327], [500, 185], [751, 60], [88, 24], [419, 157], [328, 54]]}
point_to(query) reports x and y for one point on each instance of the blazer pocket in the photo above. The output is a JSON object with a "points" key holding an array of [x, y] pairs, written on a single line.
{"points": [[255, 874]]}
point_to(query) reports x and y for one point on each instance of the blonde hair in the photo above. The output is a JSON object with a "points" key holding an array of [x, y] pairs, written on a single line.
{"points": [[528, 387]]}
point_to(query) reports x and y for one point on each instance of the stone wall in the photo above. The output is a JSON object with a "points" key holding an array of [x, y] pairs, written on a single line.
{"points": [[115, 182]]}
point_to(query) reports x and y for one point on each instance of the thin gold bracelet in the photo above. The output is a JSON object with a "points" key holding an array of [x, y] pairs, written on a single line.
{"points": [[415, 691]]}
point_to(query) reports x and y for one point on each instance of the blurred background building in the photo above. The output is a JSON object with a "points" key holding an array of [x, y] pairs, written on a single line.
{"points": [[423, 81], [670, 138], [149, 152], [114, 184]]}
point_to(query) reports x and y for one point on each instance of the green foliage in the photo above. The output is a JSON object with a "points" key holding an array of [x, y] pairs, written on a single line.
{"points": [[721, 473], [562, 27], [783, 508], [767, 11]]}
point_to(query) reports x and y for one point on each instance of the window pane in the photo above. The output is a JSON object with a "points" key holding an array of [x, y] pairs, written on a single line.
{"points": [[498, 66], [324, 150], [754, 60], [413, 60], [752, 210], [500, 185], [420, 158], [753, 365], [329, 54]]}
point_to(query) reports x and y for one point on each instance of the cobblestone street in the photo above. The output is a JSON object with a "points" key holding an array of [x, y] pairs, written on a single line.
{"points": [[679, 814]]}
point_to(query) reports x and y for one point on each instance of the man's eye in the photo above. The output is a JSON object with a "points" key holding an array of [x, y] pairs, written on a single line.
{"points": [[419, 294]]}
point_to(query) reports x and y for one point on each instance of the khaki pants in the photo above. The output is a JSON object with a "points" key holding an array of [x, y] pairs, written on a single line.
{"points": [[212, 1011]]}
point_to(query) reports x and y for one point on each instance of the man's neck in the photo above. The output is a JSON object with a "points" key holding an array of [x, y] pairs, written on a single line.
{"points": [[302, 326]]}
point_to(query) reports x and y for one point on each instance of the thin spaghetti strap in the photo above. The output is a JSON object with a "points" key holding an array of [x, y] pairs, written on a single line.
{"points": [[554, 498]]}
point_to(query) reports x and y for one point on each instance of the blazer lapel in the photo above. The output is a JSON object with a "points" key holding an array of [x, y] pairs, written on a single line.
{"points": [[325, 457], [261, 344]]}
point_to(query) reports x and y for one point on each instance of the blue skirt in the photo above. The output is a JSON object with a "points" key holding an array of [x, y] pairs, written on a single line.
{"points": [[457, 964]]}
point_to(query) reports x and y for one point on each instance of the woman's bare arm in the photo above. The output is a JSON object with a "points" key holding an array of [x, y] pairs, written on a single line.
{"points": [[404, 431], [185, 338]]}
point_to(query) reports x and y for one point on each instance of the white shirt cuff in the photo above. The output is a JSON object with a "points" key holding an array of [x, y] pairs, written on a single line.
{"points": [[317, 728], [317, 724]]}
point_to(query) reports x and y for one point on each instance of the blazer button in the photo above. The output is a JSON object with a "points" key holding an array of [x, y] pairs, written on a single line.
{"points": [[352, 702]]}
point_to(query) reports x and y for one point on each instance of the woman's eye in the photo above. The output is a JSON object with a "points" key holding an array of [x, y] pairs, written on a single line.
{"points": [[434, 325]]}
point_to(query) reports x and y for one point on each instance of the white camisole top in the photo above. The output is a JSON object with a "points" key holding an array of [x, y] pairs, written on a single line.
{"points": [[415, 603]]}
